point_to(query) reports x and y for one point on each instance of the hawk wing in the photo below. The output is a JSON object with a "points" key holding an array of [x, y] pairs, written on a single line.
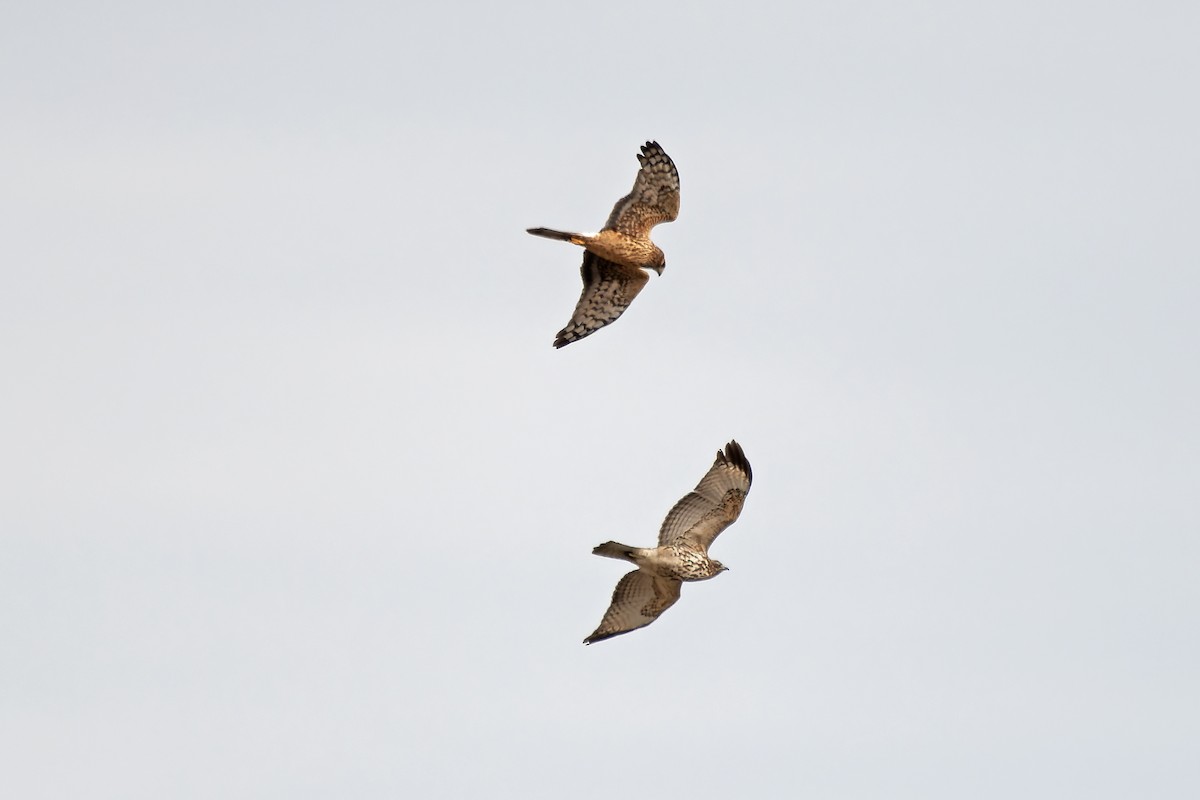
{"points": [[637, 601], [608, 289], [654, 198], [715, 503]]}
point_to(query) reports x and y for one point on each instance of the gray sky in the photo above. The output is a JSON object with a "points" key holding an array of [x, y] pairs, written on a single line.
{"points": [[298, 500]]}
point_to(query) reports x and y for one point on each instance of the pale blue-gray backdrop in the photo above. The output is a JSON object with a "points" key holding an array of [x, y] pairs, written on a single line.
{"points": [[298, 500]]}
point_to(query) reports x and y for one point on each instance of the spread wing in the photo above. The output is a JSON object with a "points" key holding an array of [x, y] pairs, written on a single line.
{"points": [[608, 289], [638, 600], [654, 198], [716, 502]]}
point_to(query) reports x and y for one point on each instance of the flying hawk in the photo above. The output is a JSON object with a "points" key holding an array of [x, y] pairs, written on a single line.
{"points": [[615, 257], [682, 552]]}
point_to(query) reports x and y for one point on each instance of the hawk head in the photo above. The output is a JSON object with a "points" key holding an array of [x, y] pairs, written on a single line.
{"points": [[658, 261]]}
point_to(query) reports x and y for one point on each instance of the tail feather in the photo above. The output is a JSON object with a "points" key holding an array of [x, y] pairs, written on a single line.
{"points": [[553, 234], [615, 550]]}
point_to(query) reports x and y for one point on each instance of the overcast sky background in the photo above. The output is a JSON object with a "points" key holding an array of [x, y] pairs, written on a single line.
{"points": [[298, 500]]}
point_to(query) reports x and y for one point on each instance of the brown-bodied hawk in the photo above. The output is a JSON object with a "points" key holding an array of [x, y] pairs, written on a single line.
{"points": [[615, 257], [682, 552]]}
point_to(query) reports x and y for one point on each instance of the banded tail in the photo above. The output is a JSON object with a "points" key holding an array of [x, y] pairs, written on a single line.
{"points": [[548, 233], [615, 550]]}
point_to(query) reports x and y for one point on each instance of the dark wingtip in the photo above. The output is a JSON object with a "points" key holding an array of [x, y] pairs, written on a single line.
{"points": [[600, 637], [737, 457], [654, 146], [566, 337]]}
